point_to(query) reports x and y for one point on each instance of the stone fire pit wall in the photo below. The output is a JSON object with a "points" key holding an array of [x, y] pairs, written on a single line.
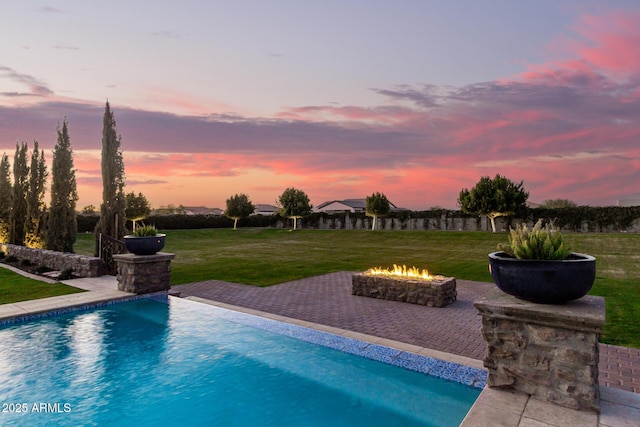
{"points": [[432, 293]]}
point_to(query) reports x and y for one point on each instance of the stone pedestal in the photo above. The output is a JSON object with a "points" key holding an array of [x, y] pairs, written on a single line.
{"points": [[438, 292], [547, 351], [143, 274]]}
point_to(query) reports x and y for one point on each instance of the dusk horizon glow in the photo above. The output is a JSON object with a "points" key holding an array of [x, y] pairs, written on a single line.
{"points": [[338, 99]]}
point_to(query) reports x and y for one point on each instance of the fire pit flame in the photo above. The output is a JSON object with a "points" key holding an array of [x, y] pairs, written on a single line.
{"points": [[400, 271]]}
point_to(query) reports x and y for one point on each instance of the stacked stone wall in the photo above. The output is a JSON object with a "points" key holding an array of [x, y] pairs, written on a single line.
{"points": [[82, 266], [550, 352], [555, 364], [436, 293], [143, 274]]}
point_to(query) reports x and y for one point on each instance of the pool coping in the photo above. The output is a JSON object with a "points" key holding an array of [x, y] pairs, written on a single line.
{"points": [[53, 304]]}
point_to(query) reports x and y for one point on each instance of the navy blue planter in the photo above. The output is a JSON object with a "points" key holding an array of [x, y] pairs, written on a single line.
{"points": [[541, 281], [147, 245]]}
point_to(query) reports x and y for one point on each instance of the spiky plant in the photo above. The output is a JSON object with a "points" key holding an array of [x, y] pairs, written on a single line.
{"points": [[145, 230], [541, 242]]}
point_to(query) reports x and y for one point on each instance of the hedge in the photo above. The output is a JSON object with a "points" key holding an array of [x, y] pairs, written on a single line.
{"points": [[579, 218]]}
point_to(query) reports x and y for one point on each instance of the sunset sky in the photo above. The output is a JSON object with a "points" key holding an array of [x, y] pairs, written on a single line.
{"points": [[415, 99]]}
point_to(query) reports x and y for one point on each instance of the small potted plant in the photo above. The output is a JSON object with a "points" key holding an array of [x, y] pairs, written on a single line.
{"points": [[145, 240], [537, 266]]}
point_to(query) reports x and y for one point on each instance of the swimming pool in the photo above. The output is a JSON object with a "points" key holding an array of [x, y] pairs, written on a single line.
{"points": [[178, 362]]}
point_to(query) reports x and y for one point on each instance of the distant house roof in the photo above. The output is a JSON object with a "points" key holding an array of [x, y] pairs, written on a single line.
{"points": [[263, 209], [632, 201], [339, 206], [187, 210], [347, 205], [201, 210]]}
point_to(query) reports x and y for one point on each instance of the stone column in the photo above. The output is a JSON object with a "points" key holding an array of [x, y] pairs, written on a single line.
{"points": [[547, 351], [143, 274]]}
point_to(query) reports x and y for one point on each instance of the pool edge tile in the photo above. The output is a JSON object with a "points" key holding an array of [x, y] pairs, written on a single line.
{"points": [[388, 351]]}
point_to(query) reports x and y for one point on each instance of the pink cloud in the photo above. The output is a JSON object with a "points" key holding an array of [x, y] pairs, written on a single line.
{"points": [[613, 41], [608, 46], [386, 115]]}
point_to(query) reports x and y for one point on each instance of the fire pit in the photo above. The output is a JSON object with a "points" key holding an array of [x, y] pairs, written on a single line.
{"points": [[405, 284]]}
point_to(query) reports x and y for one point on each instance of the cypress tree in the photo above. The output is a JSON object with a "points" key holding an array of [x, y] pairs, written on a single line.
{"points": [[19, 194], [35, 220], [112, 216], [6, 196], [62, 226]]}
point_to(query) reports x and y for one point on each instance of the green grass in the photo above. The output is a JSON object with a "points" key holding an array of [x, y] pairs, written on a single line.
{"points": [[85, 244], [15, 288], [263, 257]]}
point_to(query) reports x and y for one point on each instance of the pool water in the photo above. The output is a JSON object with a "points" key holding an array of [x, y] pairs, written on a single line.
{"points": [[149, 363]]}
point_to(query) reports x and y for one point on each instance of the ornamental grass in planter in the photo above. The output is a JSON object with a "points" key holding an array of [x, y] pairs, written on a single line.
{"points": [[537, 266], [145, 240]]}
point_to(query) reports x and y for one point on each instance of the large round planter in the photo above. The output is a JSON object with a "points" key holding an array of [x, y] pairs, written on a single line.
{"points": [[146, 245], [541, 281]]}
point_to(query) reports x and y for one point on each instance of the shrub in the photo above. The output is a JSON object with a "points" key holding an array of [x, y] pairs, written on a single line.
{"points": [[66, 274], [12, 258], [25, 262], [145, 230], [538, 243], [42, 269]]}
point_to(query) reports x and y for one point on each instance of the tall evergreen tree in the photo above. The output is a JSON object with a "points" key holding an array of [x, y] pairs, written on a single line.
{"points": [[34, 227], [62, 226], [19, 194], [6, 195], [112, 210]]}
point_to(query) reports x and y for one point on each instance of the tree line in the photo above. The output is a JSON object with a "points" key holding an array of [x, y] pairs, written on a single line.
{"points": [[490, 197], [24, 217], [294, 204]]}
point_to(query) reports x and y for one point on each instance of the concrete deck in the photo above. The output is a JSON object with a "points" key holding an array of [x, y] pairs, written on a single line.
{"points": [[102, 289]]}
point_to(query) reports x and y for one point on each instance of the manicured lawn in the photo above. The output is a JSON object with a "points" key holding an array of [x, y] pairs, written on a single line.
{"points": [[14, 288], [264, 257]]}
